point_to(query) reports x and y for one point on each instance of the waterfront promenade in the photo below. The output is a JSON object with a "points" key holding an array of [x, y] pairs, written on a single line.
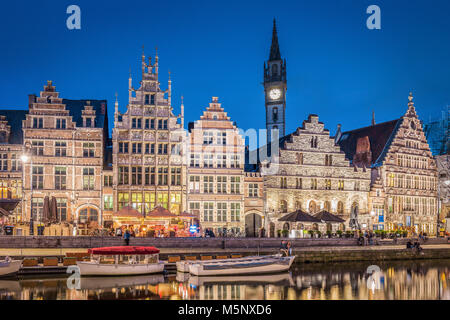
{"points": [[307, 250]]}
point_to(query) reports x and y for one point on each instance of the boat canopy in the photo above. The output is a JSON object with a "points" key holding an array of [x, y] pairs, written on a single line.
{"points": [[130, 250]]}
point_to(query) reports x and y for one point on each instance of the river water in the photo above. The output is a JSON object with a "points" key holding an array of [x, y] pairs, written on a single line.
{"points": [[411, 280]]}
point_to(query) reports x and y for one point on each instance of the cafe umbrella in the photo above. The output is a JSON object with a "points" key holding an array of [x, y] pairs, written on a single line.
{"points": [[45, 210], [54, 211]]}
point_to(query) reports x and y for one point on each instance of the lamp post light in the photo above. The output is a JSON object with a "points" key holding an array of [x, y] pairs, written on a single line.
{"points": [[25, 158]]}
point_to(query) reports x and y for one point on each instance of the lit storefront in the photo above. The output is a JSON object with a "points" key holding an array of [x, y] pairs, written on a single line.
{"points": [[159, 222]]}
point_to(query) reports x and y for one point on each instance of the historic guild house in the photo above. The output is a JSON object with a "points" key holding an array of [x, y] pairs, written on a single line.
{"points": [[62, 174]]}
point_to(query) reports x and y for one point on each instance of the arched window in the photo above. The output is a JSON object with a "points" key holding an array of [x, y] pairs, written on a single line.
{"points": [[283, 206], [88, 215], [327, 206], [312, 207], [286, 226], [355, 207], [340, 208]]}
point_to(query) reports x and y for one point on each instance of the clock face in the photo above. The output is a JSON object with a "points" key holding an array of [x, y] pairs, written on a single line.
{"points": [[275, 94]]}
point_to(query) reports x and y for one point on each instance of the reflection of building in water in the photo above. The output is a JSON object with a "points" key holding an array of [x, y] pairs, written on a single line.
{"points": [[415, 282], [410, 284], [222, 292]]}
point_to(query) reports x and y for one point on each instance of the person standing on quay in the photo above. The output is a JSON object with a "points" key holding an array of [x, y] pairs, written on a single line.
{"points": [[126, 236]]}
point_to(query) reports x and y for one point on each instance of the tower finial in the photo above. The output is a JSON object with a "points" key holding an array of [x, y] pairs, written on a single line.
{"points": [[274, 48], [169, 76], [410, 98], [373, 118]]}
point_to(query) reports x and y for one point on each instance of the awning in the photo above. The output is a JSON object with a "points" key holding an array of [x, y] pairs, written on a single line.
{"points": [[328, 217], [299, 216], [128, 212], [123, 250]]}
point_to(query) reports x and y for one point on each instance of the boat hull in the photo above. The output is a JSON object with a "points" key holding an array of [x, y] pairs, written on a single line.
{"points": [[9, 268], [183, 266], [88, 268], [267, 266]]}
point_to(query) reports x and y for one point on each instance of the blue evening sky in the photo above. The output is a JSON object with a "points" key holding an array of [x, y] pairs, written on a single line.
{"points": [[336, 67]]}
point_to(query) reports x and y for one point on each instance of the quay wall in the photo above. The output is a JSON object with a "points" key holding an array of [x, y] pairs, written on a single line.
{"points": [[186, 243], [374, 256]]}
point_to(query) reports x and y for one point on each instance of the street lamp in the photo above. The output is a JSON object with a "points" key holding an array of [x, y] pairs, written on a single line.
{"points": [[25, 158]]}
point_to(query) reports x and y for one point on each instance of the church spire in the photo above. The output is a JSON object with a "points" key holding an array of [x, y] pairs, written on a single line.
{"points": [[274, 48]]}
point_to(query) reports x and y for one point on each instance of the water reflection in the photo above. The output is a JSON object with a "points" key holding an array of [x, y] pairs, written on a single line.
{"points": [[428, 280]]}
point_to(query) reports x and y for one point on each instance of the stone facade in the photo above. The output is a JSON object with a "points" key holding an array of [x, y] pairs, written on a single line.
{"points": [[148, 140], [216, 171], [254, 213], [65, 140], [443, 167], [404, 174], [11, 150], [310, 172]]}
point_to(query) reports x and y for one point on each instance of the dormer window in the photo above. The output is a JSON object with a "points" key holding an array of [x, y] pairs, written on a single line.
{"points": [[147, 99], [60, 123]]}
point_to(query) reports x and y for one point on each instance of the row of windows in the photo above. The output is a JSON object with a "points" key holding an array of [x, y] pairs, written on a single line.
{"points": [[221, 184], [146, 201], [60, 178], [411, 182], [422, 206], [328, 159], [136, 123], [218, 212], [313, 207], [219, 137], [220, 161], [37, 149], [61, 123], [138, 175], [148, 148], [313, 184], [412, 162], [13, 164]]}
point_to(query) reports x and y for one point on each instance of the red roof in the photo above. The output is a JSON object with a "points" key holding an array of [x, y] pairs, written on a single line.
{"points": [[124, 250]]}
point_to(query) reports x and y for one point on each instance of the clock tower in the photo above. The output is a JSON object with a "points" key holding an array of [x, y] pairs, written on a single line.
{"points": [[275, 89]]}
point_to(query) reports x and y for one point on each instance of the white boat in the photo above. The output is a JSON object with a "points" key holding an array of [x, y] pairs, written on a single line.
{"points": [[9, 267], [272, 264], [183, 266], [121, 261]]}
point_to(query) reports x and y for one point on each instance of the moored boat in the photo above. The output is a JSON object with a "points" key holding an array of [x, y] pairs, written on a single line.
{"points": [[9, 267], [183, 266], [121, 261], [272, 264]]}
